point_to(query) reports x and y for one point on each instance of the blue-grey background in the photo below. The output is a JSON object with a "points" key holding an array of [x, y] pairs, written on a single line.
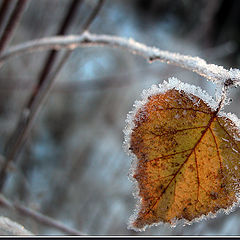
{"points": [[73, 167]]}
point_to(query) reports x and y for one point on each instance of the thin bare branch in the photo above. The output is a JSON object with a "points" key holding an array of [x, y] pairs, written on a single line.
{"points": [[39, 217], [212, 72], [19, 136], [12, 23], [52, 56], [92, 16], [4, 10]]}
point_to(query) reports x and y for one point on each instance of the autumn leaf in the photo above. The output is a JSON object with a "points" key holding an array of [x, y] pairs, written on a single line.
{"points": [[186, 156]]}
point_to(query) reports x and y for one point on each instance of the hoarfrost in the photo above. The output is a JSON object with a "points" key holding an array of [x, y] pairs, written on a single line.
{"points": [[212, 72], [226, 140], [235, 120], [234, 75], [174, 83]]}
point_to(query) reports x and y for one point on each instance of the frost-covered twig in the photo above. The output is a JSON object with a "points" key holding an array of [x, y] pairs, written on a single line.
{"points": [[212, 72], [39, 217]]}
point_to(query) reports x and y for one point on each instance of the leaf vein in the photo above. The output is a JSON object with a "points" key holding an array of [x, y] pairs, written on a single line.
{"points": [[197, 177], [219, 157], [187, 109], [199, 140], [165, 156], [178, 130]]}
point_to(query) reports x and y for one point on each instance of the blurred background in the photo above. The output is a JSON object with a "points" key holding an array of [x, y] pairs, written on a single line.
{"points": [[72, 167]]}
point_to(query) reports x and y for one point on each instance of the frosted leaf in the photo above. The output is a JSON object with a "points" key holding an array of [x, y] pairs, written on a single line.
{"points": [[180, 124]]}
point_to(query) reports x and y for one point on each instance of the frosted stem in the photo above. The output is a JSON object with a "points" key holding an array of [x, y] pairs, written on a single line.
{"points": [[212, 72]]}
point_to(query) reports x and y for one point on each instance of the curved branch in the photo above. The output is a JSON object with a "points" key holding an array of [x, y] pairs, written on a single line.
{"points": [[212, 72]]}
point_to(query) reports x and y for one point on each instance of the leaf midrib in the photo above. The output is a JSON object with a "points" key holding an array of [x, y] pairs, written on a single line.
{"points": [[192, 150]]}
